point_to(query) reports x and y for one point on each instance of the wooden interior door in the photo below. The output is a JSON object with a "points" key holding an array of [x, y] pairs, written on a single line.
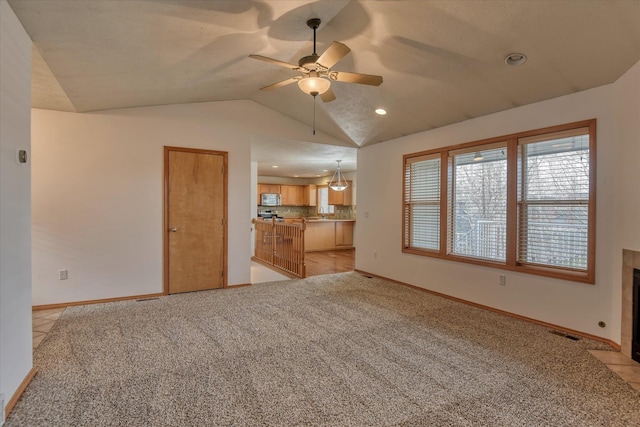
{"points": [[195, 220]]}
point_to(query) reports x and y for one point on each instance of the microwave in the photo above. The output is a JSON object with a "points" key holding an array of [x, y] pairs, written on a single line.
{"points": [[270, 199]]}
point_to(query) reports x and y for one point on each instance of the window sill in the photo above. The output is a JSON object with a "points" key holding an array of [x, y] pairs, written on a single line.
{"points": [[555, 273]]}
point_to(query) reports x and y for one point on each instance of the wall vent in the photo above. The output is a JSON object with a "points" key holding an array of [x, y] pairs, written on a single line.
{"points": [[562, 334]]}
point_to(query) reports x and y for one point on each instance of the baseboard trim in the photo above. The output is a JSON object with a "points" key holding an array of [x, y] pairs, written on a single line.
{"points": [[94, 301], [615, 345], [18, 394], [239, 285]]}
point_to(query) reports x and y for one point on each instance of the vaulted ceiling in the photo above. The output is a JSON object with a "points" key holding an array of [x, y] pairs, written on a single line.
{"points": [[442, 61]]}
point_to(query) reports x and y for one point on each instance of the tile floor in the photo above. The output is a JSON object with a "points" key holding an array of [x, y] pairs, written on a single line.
{"points": [[261, 274], [42, 321], [627, 368]]}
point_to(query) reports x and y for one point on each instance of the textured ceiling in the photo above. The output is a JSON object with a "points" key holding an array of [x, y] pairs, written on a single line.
{"points": [[442, 61]]}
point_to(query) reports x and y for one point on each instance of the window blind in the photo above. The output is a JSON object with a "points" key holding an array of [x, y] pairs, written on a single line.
{"points": [[553, 201], [422, 203]]}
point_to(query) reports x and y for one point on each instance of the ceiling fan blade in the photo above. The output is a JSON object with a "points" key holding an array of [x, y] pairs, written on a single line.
{"points": [[334, 53], [280, 84], [363, 79], [275, 61], [328, 96]]}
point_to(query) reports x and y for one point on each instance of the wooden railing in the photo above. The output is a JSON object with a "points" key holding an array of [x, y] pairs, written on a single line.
{"points": [[281, 245]]}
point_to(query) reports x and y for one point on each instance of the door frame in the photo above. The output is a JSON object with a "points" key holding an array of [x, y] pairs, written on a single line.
{"points": [[165, 220]]}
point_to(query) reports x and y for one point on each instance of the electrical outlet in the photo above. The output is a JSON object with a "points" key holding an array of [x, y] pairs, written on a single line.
{"points": [[64, 274], [503, 280], [21, 156], [375, 254]]}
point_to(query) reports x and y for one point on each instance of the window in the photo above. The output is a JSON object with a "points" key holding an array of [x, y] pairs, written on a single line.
{"points": [[553, 199], [323, 201], [422, 203], [523, 202], [479, 203]]}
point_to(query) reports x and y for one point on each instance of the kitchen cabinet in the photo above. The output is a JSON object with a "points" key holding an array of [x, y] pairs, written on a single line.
{"points": [[319, 236], [292, 195], [310, 197], [327, 235], [269, 188], [344, 233], [341, 198]]}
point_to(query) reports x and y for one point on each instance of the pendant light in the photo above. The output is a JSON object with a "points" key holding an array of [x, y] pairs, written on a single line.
{"points": [[338, 182]]}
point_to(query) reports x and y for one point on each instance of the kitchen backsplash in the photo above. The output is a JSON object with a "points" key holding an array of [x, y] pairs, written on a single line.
{"points": [[345, 212], [341, 212]]}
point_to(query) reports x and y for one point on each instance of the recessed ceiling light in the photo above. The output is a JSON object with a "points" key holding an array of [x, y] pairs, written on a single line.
{"points": [[275, 166], [325, 170], [515, 59], [318, 175], [381, 111], [295, 176]]}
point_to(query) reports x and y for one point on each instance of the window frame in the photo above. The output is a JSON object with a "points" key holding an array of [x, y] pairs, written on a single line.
{"points": [[331, 209], [451, 186], [512, 244]]}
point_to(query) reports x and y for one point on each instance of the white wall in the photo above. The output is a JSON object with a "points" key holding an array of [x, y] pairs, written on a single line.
{"points": [[627, 192], [15, 204], [572, 305], [97, 192]]}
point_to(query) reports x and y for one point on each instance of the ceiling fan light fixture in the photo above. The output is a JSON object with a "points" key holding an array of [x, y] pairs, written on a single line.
{"points": [[316, 70], [338, 182], [314, 85]]}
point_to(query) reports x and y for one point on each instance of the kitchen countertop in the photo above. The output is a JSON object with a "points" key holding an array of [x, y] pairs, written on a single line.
{"points": [[330, 220], [312, 219]]}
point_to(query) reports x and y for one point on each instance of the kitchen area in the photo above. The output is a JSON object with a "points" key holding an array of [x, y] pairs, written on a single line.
{"points": [[304, 196], [327, 217]]}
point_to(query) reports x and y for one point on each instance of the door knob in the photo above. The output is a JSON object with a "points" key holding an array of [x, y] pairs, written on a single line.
{"points": [[174, 229]]}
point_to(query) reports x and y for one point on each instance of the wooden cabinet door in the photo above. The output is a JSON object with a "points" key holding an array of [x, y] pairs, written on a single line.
{"points": [[268, 188], [335, 197], [310, 195], [344, 233], [286, 195], [292, 195], [320, 236], [341, 198]]}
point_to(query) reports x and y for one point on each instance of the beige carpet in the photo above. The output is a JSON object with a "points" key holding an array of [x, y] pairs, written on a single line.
{"points": [[338, 350]]}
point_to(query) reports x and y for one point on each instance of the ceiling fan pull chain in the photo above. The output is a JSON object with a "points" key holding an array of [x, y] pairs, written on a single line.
{"points": [[314, 114]]}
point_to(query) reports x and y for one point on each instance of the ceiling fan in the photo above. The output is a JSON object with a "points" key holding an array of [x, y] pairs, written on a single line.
{"points": [[316, 74]]}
